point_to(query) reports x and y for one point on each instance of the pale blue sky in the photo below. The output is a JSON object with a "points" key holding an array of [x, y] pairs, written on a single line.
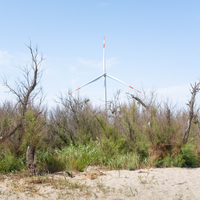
{"points": [[149, 44]]}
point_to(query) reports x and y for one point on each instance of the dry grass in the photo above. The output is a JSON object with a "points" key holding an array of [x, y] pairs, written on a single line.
{"points": [[49, 185], [31, 186]]}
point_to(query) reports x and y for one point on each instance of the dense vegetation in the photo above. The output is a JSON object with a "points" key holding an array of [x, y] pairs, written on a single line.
{"points": [[74, 135], [140, 133]]}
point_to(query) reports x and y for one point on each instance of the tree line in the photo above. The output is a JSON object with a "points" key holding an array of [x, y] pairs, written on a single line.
{"points": [[159, 133]]}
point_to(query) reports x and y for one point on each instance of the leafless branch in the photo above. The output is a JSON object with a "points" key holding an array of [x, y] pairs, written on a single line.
{"points": [[26, 90]]}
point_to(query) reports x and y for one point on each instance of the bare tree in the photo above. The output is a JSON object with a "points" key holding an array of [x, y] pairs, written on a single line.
{"points": [[25, 92], [115, 105], [195, 89]]}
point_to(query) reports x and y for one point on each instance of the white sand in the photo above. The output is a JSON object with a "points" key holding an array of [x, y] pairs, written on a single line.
{"points": [[165, 183], [168, 183]]}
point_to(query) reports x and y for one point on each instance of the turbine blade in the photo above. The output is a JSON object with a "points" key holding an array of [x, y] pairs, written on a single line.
{"points": [[121, 82], [93, 80]]}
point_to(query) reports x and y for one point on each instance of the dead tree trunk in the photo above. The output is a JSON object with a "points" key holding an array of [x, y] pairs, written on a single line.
{"points": [[194, 91], [145, 106], [30, 161]]}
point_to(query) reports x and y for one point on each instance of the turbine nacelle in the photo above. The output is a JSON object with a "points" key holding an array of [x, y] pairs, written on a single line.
{"points": [[104, 75]]}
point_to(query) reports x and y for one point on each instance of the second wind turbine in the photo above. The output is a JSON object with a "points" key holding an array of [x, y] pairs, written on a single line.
{"points": [[104, 75]]}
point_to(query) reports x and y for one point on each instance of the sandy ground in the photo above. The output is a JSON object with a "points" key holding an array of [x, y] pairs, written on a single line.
{"points": [[158, 183]]}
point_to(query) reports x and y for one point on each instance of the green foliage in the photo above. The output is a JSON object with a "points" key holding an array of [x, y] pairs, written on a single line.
{"points": [[33, 128], [9, 162], [80, 156], [50, 163], [102, 123], [77, 135], [113, 145], [33, 131], [5, 122], [187, 157]]}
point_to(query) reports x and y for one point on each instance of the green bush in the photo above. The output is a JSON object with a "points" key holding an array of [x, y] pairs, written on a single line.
{"points": [[79, 156], [50, 163], [9, 162], [187, 157]]}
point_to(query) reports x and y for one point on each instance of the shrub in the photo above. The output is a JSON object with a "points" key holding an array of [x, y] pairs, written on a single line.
{"points": [[50, 163], [187, 157], [9, 162]]}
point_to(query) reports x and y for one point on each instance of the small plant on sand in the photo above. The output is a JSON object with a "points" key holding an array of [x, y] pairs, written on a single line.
{"points": [[146, 179]]}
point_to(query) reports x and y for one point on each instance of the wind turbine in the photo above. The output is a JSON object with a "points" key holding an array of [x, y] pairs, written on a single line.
{"points": [[104, 75]]}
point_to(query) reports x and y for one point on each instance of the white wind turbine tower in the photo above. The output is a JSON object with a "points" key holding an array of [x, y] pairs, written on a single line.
{"points": [[104, 75]]}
